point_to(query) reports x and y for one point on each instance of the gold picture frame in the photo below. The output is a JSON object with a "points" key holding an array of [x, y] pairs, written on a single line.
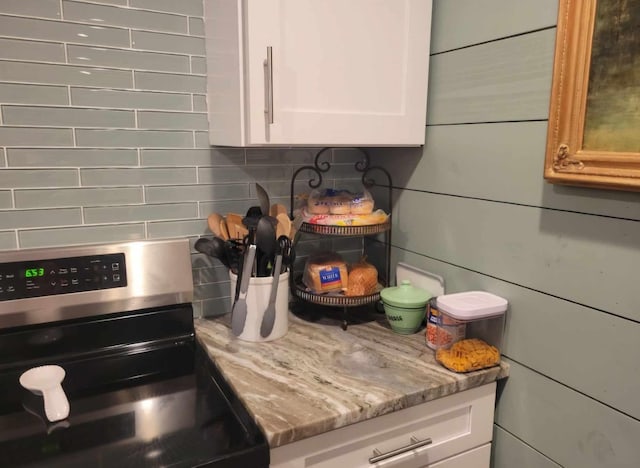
{"points": [[614, 164]]}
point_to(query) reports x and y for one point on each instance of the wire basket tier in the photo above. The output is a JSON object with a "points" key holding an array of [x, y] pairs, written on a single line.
{"points": [[330, 230], [334, 300]]}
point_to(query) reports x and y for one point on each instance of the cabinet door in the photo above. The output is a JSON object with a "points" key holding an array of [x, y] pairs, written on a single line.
{"points": [[341, 73]]}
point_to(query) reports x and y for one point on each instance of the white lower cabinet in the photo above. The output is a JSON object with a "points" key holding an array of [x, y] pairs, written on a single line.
{"points": [[450, 432]]}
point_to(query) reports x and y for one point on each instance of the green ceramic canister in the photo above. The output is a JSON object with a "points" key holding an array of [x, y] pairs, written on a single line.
{"points": [[405, 307]]}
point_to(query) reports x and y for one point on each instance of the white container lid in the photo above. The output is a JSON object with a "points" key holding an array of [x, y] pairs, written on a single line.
{"points": [[472, 305]]}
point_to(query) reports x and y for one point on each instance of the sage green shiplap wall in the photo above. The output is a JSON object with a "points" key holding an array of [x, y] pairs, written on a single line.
{"points": [[103, 131], [473, 207]]}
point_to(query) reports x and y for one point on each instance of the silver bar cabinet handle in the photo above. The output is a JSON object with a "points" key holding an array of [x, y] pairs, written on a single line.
{"points": [[415, 443], [268, 86]]}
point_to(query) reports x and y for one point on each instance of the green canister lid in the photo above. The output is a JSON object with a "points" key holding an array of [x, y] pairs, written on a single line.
{"points": [[405, 295]]}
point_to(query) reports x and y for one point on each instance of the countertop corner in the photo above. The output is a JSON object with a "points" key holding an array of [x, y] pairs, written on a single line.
{"points": [[319, 377]]}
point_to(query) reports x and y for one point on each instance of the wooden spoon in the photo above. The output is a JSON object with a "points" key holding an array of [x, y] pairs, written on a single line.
{"points": [[224, 230], [237, 230], [213, 220], [283, 227], [276, 209]]}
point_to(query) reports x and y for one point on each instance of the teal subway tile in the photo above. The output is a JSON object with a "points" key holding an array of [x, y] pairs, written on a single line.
{"points": [[62, 31], [277, 189], [8, 240], [172, 120], [195, 275], [198, 65], [217, 273], [196, 193], [265, 156], [346, 171], [68, 117], [164, 229], [16, 219], [125, 17], [15, 93], [196, 26], [225, 206], [199, 103], [196, 306], [71, 157], [346, 156], [16, 178], [26, 72], [40, 8], [154, 81], [104, 57], [14, 49], [6, 201], [212, 175], [184, 7], [138, 176], [24, 136], [133, 138], [81, 235], [123, 214], [193, 157], [78, 197], [201, 140], [101, 97], [215, 307], [211, 290], [167, 42]]}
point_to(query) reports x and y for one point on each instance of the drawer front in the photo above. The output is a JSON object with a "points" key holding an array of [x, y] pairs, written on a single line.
{"points": [[477, 458], [454, 424]]}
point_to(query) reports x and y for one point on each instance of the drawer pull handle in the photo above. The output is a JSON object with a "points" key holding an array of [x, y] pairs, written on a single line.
{"points": [[415, 443]]}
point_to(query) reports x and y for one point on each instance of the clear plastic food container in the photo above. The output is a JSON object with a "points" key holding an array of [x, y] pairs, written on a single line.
{"points": [[465, 329]]}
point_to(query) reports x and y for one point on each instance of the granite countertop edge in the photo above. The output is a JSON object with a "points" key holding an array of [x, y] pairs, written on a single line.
{"points": [[319, 377]]}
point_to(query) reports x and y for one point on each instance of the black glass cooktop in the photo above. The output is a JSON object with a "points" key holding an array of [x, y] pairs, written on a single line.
{"points": [[159, 402]]}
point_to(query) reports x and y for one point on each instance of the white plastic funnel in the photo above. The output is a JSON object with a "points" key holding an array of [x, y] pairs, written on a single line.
{"points": [[45, 381]]}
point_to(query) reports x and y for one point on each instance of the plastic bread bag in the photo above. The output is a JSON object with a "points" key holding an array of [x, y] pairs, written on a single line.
{"points": [[325, 272], [339, 202]]}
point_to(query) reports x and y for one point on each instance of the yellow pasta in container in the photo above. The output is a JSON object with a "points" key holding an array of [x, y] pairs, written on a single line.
{"points": [[468, 355]]}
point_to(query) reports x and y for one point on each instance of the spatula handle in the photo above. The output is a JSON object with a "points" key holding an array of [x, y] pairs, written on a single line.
{"points": [[269, 317], [239, 310]]}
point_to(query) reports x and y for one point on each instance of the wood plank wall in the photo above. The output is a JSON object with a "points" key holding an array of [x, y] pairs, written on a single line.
{"points": [[473, 207]]}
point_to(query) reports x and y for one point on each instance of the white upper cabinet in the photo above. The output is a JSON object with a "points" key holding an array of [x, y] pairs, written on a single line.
{"points": [[317, 72]]}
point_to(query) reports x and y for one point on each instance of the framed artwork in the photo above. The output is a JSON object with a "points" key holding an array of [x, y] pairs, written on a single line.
{"points": [[593, 137]]}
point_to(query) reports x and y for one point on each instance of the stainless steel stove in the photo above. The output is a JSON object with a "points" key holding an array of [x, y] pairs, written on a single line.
{"points": [[142, 391]]}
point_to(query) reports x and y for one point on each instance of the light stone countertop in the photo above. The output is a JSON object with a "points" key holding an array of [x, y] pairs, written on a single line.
{"points": [[319, 377]]}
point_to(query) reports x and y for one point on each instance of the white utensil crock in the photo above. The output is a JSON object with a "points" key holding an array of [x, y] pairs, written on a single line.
{"points": [[257, 301]]}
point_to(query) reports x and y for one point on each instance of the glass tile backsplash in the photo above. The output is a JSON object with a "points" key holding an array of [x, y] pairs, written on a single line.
{"points": [[103, 131]]}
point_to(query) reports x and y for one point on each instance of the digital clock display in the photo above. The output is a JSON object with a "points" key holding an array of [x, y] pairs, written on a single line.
{"points": [[33, 272]]}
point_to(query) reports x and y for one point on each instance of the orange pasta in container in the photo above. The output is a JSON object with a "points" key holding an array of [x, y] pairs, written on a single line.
{"points": [[468, 355]]}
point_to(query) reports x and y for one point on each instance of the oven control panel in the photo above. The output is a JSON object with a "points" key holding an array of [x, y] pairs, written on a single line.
{"points": [[35, 278]]}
